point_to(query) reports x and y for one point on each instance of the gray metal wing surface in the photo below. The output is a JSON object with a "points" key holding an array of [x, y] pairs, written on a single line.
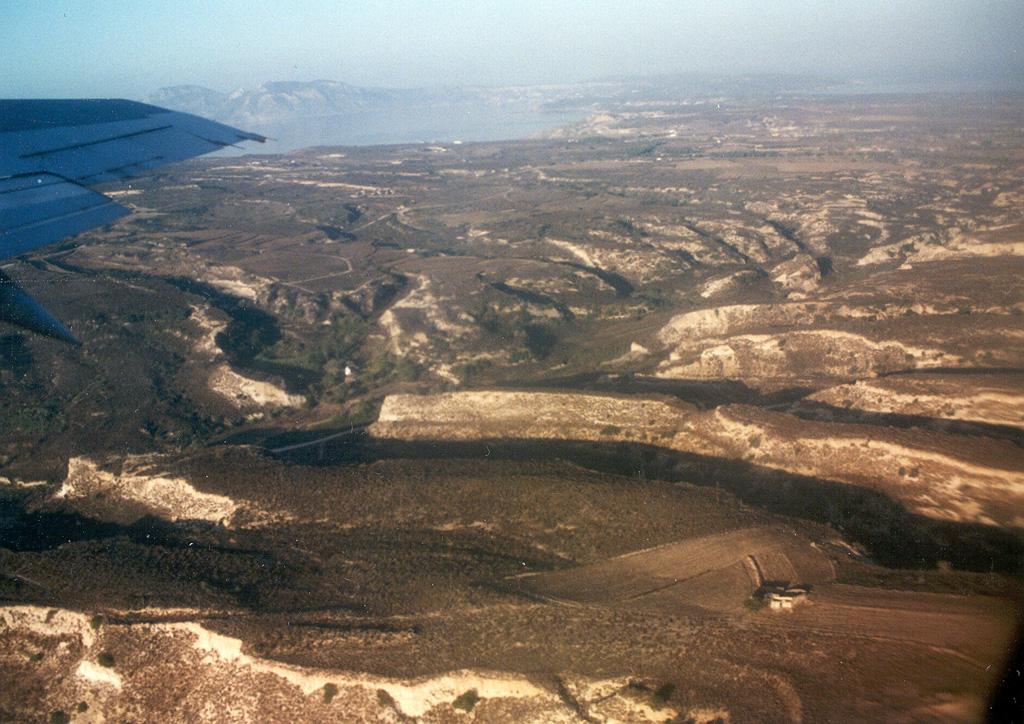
{"points": [[51, 151]]}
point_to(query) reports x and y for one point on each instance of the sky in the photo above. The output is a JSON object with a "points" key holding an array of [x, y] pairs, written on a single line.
{"points": [[129, 48]]}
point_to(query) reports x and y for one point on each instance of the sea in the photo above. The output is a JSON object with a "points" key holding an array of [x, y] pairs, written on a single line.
{"points": [[455, 123]]}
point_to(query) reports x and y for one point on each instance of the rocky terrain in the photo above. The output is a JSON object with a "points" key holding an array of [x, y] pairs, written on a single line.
{"points": [[106, 671], [397, 589], [534, 430], [941, 476]]}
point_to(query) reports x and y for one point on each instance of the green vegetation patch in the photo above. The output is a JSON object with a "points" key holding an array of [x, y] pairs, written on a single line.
{"points": [[466, 700], [755, 604], [662, 694]]}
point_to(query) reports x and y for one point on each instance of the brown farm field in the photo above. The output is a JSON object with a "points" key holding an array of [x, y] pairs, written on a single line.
{"points": [[715, 567]]}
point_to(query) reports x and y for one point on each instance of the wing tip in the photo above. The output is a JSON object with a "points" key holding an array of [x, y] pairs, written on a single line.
{"points": [[21, 310]]}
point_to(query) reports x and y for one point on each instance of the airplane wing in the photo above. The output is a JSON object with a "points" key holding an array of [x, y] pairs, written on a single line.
{"points": [[51, 151]]}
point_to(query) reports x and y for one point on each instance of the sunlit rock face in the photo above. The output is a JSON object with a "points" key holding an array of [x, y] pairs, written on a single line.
{"points": [[137, 488], [101, 671], [953, 479], [799, 275]]}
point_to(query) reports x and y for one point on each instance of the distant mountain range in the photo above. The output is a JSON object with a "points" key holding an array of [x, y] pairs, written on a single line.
{"points": [[326, 112], [272, 102]]}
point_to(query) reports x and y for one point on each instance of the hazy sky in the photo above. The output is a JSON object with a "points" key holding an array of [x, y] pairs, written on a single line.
{"points": [[53, 48]]}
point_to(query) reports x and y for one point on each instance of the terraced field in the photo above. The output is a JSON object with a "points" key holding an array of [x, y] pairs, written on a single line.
{"points": [[976, 627], [717, 572]]}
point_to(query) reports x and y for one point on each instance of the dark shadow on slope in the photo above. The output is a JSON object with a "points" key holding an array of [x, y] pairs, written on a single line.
{"points": [[789, 233], [893, 536], [729, 249], [955, 371], [703, 393], [154, 560], [250, 332], [808, 410], [335, 234], [373, 298], [529, 296], [623, 288], [23, 529], [689, 258]]}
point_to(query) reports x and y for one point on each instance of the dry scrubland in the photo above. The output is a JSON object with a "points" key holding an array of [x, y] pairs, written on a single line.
{"points": [[407, 578], [942, 476], [813, 307]]}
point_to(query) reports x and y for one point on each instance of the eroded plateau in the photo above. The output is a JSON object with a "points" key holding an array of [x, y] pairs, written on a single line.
{"points": [[694, 411]]}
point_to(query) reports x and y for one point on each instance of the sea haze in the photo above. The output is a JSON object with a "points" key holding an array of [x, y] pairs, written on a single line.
{"points": [[462, 122], [330, 113]]}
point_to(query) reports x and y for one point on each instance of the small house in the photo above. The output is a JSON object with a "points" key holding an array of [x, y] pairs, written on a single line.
{"points": [[785, 600]]}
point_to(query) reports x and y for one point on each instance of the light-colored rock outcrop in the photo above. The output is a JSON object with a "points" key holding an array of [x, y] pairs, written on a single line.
{"points": [[245, 393], [994, 399], [799, 354], [799, 274], [945, 477], [140, 488], [172, 672]]}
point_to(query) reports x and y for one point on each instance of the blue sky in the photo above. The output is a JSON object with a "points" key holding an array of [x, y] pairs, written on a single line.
{"points": [[129, 48]]}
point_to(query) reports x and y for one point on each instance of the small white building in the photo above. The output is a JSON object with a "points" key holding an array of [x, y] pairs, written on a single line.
{"points": [[785, 600]]}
